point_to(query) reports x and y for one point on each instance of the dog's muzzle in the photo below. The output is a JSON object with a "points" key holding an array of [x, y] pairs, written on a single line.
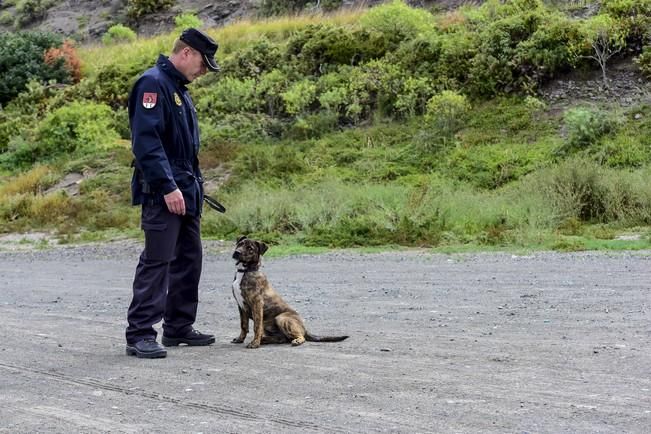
{"points": [[236, 255]]}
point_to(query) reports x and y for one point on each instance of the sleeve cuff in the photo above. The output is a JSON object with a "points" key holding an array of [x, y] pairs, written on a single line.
{"points": [[169, 187]]}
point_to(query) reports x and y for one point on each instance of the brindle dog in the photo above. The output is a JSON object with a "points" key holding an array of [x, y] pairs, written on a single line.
{"points": [[274, 322]]}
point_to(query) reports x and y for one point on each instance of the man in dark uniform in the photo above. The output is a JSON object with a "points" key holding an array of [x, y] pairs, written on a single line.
{"points": [[167, 184]]}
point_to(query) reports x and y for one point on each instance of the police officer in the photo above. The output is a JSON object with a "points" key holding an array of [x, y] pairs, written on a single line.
{"points": [[167, 184]]}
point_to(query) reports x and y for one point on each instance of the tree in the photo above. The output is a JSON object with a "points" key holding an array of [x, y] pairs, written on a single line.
{"points": [[603, 36], [22, 58]]}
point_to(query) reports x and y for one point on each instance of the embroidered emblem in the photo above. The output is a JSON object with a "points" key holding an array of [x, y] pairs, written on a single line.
{"points": [[149, 100], [177, 99]]}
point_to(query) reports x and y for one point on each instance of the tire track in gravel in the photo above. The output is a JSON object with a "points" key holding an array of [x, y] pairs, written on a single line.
{"points": [[213, 408]]}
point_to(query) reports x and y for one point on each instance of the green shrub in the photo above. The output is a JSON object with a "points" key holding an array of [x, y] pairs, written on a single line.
{"points": [[582, 190], [347, 94], [546, 52], [139, 8], [8, 3], [456, 57], [318, 49], [229, 95], [281, 7], [623, 151], [299, 97], [420, 55], [397, 21], [187, 20], [6, 18], [254, 60], [22, 60], [28, 11], [77, 127], [330, 5], [237, 129], [23, 113], [447, 112], [270, 90], [118, 33], [312, 126], [586, 126], [414, 96], [112, 84], [270, 162], [493, 166], [643, 61], [516, 46], [635, 15]]}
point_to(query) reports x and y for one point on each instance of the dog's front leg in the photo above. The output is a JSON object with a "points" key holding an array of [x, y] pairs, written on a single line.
{"points": [[258, 323], [244, 326]]}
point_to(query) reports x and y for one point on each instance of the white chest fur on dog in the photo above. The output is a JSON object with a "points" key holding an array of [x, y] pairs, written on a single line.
{"points": [[236, 289]]}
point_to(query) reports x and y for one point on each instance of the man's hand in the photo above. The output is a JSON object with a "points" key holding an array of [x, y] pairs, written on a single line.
{"points": [[175, 202]]}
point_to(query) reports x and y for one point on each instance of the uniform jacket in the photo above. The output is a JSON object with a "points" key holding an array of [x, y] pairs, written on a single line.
{"points": [[164, 138]]}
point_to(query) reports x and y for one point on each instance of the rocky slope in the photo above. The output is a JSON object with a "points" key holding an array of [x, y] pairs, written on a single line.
{"points": [[88, 20]]}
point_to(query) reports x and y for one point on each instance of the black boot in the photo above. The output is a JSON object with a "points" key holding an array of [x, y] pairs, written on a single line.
{"points": [[146, 349], [192, 338]]}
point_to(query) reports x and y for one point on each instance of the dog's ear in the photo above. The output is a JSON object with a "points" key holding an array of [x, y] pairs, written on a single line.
{"points": [[262, 247], [243, 237]]}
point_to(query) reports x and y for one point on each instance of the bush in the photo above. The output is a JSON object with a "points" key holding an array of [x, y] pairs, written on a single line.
{"points": [[68, 54], [6, 18], [77, 127], [253, 61], [420, 55], [397, 21], [139, 8], [299, 97], [281, 7], [346, 93], [447, 112], [270, 90], [229, 95], [644, 61], [118, 33], [635, 15], [586, 126], [582, 190], [22, 59], [187, 20], [28, 11], [112, 83], [318, 49], [413, 97]]}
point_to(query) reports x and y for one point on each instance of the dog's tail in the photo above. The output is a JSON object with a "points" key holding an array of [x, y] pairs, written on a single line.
{"points": [[313, 338]]}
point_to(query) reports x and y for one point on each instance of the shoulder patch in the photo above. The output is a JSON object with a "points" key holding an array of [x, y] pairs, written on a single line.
{"points": [[149, 99]]}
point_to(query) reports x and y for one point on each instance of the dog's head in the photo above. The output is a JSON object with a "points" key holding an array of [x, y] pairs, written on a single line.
{"points": [[249, 252]]}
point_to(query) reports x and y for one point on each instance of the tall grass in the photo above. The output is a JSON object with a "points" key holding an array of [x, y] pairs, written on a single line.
{"points": [[32, 181], [230, 38], [436, 211]]}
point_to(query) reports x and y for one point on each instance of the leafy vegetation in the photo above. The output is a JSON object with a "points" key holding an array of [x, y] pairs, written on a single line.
{"points": [[22, 58], [392, 126], [118, 33]]}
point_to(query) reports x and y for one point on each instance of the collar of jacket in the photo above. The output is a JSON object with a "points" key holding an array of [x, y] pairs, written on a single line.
{"points": [[167, 67]]}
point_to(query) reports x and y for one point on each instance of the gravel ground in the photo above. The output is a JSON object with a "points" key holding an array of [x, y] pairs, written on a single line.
{"points": [[546, 342]]}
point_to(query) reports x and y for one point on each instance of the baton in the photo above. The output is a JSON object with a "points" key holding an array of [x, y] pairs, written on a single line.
{"points": [[212, 203]]}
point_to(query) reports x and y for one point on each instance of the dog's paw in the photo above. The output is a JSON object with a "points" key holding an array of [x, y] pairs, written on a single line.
{"points": [[237, 341], [298, 341], [253, 345]]}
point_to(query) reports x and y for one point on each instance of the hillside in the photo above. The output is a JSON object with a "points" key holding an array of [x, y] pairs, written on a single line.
{"points": [[484, 127], [89, 20]]}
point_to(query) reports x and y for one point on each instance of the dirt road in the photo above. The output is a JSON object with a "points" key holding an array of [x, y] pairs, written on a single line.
{"points": [[546, 342]]}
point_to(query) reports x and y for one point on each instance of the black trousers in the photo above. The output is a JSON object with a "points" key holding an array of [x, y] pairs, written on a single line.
{"points": [[166, 283]]}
